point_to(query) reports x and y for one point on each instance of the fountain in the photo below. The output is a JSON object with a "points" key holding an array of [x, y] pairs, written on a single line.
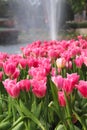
{"points": [[34, 15], [36, 20], [53, 24], [52, 11]]}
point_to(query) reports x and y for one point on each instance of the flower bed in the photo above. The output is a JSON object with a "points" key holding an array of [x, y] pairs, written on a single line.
{"points": [[45, 87]]}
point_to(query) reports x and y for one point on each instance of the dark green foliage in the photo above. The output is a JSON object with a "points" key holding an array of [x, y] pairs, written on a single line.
{"points": [[78, 5], [77, 24]]}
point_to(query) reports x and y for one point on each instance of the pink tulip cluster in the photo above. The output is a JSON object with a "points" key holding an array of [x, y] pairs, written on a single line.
{"points": [[35, 71], [29, 70], [65, 85]]}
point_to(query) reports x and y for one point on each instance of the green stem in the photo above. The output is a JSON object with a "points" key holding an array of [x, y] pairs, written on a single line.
{"points": [[46, 110], [69, 115], [80, 73], [9, 105], [74, 67], [4, 99], [13, 111], [80, 120], [30, 115], [65, 127], [84, 128]]}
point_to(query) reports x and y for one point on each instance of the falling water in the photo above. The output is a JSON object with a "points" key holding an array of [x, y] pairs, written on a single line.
{"points": [[54, 12], [34, 13], [53, 24]]}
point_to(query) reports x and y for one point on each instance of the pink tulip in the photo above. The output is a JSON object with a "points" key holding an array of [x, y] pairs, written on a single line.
{"points": [[74, 77], [53, 53], [9, 68], [12, 88], [85, 60], [3, 56], [22, 63], [53, 71], [38, 88], [45, 63], [58, 81], [1, 75], [38, 73], [67, 85], [16, 74], [66, 55], [69, 65], [82, 88], [1, 64], [75, 51], [14, 58], [32, 62], [79, 61], [24, 85], [84, 52], [80, 37], [61, 98]]}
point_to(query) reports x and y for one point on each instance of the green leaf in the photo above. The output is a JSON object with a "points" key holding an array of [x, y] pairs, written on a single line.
{"points": [[1, 110], [20, 126], [54, 92], [30, 115], [33, 108], [79, 119], [84, 106], [59, 127], [56, 106], [7, 118], [84, 115], [38, 110], [76, 128], [5, 125], [20, 119], [52, 106], [2, 117]]}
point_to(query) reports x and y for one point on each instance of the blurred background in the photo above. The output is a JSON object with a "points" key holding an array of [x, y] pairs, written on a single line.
{"points": [[25, 21]]}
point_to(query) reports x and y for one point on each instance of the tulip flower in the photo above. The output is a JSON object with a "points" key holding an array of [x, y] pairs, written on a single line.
{"points": [[12, 88], [61, 98], [9, 68], [79, 61], [58, 81], [24, 85], [74, 77], [60, 62], [68, 85], [82, 88], [38, 88]]}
